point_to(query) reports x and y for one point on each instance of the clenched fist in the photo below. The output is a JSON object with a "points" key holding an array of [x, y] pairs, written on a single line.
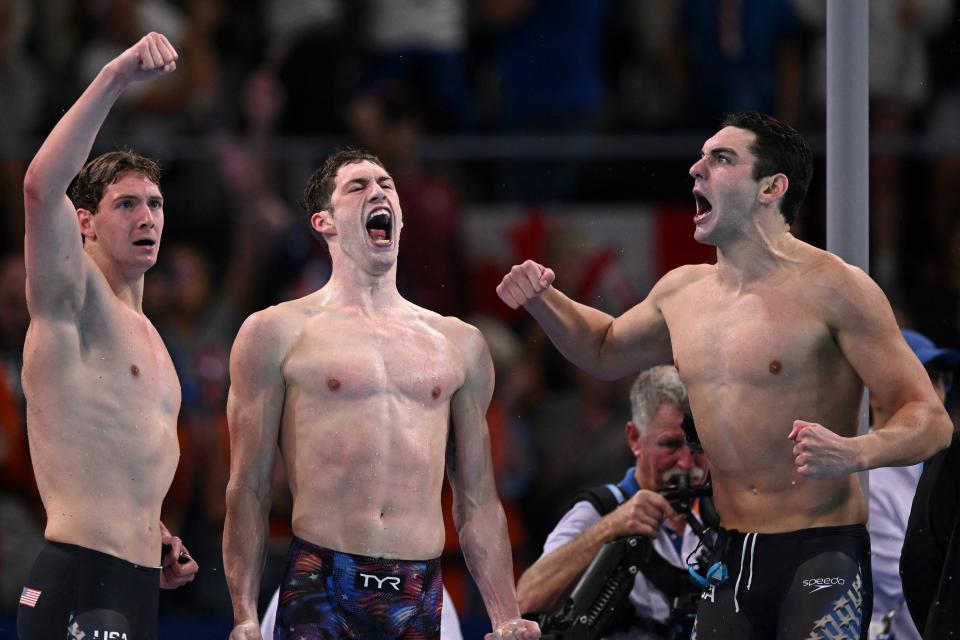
{"points": [[523, 283], [152, 55], [517, 629], [820, 453]]}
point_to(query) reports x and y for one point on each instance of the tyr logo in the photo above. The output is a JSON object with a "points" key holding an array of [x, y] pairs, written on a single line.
{"points": [[378, 583]]}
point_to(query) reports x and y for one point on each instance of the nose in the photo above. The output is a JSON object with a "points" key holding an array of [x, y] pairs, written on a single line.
{"points": [[377, 194], [685, 458], [147, 220], [697, 169]]}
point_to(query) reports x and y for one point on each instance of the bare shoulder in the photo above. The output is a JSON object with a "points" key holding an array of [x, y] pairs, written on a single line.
{"points": [[267, 335], [681, 278], [466, 337], [467, 344], [844, 293], [685, 275]]}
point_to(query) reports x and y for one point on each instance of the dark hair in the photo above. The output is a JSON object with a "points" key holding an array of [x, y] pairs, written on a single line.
{"points": [[319, 189], [778, 149], [88, 187]]}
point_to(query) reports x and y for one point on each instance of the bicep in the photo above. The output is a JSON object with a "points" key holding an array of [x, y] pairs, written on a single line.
{"points": [[469, 457], [53, 253], [868, 335], [637, 340], [254, 408]]}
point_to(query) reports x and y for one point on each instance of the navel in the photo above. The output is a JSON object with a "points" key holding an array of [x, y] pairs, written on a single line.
{"points": [[333, 384], [435, 393], [775, 367], [135, 370]]}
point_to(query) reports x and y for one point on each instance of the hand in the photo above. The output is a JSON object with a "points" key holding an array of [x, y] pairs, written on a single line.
{"points": [[523, 283], [151, 56], [246, 631], [516, 629], [821, 453], [642, 514], [178, 568]]}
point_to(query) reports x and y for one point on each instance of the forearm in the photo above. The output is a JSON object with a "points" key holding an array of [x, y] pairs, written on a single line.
{"points": [[576, 330], [67, 147], [244, 549], [913, 434], [542, 585], [486, 549]]}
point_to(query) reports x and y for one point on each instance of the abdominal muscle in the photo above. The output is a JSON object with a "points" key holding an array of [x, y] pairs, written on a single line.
{"points": [[778, 500], [367, 478]]}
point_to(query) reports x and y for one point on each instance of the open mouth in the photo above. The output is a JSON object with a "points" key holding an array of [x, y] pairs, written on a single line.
{"points": [[703, 206], [144, 243], [380, 228]]}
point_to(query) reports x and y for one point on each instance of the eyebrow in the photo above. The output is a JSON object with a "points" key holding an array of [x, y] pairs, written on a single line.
{"points": [[720, 150], [131, 196], [363, 181]]}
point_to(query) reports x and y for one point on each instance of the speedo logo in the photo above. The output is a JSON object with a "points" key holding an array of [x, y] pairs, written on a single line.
{"points": [[823, 583], [373, 582]]}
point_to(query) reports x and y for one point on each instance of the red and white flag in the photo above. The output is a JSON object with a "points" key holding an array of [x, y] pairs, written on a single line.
{"points": [[29, 597]]}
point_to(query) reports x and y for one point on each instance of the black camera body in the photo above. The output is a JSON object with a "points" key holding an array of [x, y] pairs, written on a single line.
{"points": [[598, 604]]}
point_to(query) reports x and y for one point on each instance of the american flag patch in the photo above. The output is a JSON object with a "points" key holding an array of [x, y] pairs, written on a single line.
{"points": [[29, 597]]}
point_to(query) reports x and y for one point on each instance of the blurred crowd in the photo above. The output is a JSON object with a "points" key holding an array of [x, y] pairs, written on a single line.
{"points": [[264, 89]]}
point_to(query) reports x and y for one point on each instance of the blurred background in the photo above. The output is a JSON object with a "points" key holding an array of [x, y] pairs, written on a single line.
{"points": [[557, 130]]}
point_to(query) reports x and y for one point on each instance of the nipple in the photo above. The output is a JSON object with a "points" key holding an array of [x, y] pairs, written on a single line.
{"points": [[435, 393], [333, 384], [135, 370], [776, 367]]}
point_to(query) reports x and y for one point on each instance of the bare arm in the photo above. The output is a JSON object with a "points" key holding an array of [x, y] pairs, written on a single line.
{"points": [[604, 346], [254, 409], [542, 585], [867, 333], [53, 250], [477, 512]]}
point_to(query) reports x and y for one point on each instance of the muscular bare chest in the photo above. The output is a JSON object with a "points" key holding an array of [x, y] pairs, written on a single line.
{"points": [[357, 358], [768, 336]]}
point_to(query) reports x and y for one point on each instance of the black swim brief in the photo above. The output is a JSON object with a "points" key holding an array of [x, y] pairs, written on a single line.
{"points": [[75, 592], [329, 595], [802, 585]]}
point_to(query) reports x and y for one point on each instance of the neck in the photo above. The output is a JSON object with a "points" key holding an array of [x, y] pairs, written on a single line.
{"points": [[127, 286], [761, 249], [351, 285]]}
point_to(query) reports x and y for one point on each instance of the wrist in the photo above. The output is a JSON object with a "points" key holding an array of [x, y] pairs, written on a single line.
{"points": [[114, 79]]}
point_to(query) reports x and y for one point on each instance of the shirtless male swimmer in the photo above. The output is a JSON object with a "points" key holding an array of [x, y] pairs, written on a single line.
{"points": [[364, 392], [102, 394], [774, 344]]}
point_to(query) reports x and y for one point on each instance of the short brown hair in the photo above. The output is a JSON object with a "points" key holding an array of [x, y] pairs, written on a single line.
{"points": [[88, 187], [319, 189], [778, 149]]}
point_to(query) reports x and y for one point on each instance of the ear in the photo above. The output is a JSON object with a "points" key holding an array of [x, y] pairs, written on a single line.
{"points": [[772, 188], [322, 222], [85, 218], [633, 437]]}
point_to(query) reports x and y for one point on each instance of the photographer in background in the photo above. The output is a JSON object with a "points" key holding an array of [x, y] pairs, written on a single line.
{"points": [[655, 435]]}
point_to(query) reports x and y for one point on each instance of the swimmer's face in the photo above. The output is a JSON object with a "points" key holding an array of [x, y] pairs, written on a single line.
{"points": [[365, 219], [725, 191], [128, 223], [662, 452]]}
